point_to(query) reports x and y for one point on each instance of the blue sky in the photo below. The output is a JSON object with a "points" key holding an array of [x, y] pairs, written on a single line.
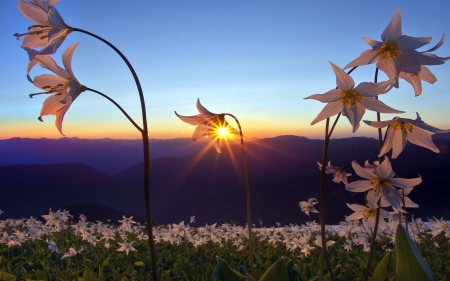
{"points": [[254, 59]]}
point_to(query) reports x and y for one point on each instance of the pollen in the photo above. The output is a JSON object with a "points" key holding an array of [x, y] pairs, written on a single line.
{"points": [[381, 184], [403, 126], [350, 97], [389, 50], [370, 212]]}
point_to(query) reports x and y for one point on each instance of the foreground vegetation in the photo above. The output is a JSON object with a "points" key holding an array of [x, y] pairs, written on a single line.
{"points": [[62, 250]]}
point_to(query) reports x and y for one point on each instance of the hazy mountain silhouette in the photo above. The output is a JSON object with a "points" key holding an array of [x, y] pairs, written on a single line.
{"points": [[107, 155], [32, 189], [282, 172]]}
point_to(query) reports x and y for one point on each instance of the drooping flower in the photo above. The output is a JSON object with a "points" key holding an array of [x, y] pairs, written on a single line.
{"points": [[210, 125], [368, 215], [63, 86], [402, 130], [350, 100], [49, 30], [339, 173], [307, 207], [70, 254], [396, 55], [380, 183]]}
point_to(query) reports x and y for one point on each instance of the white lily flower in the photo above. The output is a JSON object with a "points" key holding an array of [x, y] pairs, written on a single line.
{"points": [[63, 86], [70, 254], [339, 173], [307, 207], [49, 30], [402, 130], [352, 101], [127, 247], [368, 215], [396, 55], [210, 125], [380, 183]]}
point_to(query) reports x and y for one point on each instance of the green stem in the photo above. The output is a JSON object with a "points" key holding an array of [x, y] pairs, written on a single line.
{"points": [[247, 192], [145, 142]]}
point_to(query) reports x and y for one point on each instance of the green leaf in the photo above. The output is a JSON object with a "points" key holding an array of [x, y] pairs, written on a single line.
{"points": [[410, 265], [4, 276], [139, 263], [223, 272], [105, 262], [381, 272], [281, 270]]}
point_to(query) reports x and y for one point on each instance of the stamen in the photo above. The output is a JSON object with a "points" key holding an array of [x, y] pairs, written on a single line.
{"points": [[43, 93], [402, 126], [370, 212], [381, 184], [350, 97], [390, 49]]}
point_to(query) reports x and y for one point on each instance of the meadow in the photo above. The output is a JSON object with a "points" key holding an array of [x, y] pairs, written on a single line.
{"points": [[62, 249]]}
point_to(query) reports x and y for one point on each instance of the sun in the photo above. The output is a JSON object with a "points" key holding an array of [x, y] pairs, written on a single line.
{"points": [[222, 132]]}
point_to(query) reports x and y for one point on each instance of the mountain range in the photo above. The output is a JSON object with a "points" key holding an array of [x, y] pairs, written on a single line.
{"points": [[187, 178]]}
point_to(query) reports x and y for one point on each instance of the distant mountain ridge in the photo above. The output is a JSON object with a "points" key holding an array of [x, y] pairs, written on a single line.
{"points": [[107, 155], [282, 171]]}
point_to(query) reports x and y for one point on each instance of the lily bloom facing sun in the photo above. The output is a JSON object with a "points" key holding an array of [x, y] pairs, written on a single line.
{"points": [[49, 30], [402, 130], [352, 101], [210, 125], [396, 55], [63, 86], [380, 183]]}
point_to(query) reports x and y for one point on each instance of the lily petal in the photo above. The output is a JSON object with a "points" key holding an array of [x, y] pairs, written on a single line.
{"points": [[343, 80], [394, 29]]}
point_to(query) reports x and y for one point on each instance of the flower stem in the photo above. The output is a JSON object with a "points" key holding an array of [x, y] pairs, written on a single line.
{"points": [[322, 196], [118, 106], [377, 217], [247, 192], [322, 186], [146, 148]]}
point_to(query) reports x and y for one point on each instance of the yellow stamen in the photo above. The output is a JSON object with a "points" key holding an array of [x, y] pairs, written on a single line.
{"points": [[403, 126], [370, 212], [390, 49], [350, 97], [381, 184]]}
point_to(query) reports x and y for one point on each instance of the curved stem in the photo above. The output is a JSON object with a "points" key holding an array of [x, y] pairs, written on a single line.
{"points": [[118, 106], [247, 192], [145, 142]]}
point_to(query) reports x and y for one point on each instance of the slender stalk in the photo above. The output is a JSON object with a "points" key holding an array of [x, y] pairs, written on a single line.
{"points": [[145, 142], [377, 216], [322, 197], [372, 242], [322, 187], [118, 106], [247, 192]]}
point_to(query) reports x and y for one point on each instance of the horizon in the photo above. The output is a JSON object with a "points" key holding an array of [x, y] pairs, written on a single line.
{"points": [[255, 60]]}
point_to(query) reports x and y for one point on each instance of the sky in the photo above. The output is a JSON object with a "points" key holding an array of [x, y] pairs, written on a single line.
{"points": [[254, 59]]}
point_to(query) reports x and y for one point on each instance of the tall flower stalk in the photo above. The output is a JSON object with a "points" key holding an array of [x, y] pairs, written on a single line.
{"points": [[48, 33], [214, 127]]}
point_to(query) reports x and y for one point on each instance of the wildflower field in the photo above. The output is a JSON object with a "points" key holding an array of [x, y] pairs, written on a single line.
{"points": [[381, 240], [64, 250]]}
